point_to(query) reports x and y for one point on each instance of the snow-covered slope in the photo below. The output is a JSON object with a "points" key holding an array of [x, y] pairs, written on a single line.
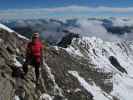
{"points": [[6, 28], [113, 57]]}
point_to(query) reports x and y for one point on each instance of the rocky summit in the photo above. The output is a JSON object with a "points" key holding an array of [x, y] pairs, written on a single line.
{"points": [[86, 69]]}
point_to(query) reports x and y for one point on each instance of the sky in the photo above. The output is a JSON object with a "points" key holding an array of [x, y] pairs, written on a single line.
{"points": [[64, 8], [12, 4]]}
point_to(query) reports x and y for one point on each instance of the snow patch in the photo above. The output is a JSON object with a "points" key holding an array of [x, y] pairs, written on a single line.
{"points": [[97, 93], [6, 28], [56, 48], [72, 50], [45, 97], [11, 31], [122, 87], [77, 90], [1, 40], [16, 62], [22, 37], [16, 97], [57, 89]]}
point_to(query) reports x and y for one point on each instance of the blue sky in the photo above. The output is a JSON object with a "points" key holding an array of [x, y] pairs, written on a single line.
{"points": [[20, 4], [12, 9]]}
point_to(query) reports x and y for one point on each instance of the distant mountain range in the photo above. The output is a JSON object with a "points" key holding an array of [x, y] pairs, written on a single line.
{"points": [[52, 30]]}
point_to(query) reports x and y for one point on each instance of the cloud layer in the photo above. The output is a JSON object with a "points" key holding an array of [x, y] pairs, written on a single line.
{"points": [[98, 28], [68, 11]]}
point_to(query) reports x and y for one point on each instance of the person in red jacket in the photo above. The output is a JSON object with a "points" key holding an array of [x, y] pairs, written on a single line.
{"points": [[34, 54]]}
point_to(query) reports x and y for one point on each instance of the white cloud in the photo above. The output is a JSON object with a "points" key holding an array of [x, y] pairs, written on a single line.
{"points": [[70, 11], [93, 28]]}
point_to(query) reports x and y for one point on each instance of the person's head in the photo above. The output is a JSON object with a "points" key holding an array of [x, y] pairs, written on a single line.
{"points": [[35, 35]]}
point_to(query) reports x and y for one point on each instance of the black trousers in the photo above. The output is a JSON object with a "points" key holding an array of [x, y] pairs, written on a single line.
{"points": [[32, 61]]}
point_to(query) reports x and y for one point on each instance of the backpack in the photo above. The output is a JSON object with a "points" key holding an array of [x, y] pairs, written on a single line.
{"points": [[35, 48]]}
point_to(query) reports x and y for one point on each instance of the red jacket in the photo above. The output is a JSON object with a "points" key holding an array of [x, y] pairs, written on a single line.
{"points": [[34, 48]]}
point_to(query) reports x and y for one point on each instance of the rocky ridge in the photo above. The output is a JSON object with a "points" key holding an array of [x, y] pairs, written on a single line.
{"points": [[87, 69]]}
